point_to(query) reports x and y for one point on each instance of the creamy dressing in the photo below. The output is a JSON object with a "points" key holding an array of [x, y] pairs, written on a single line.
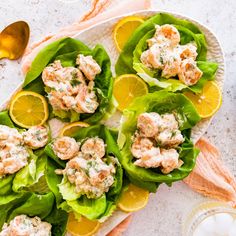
{"points": [[166, 54], [87, 168], [155, 141], [23, 225], [13, 147], [71, 88]]}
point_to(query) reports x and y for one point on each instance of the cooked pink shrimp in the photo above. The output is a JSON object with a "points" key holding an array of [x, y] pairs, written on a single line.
{"points": [[187, 51], [143, 147], [149, 123], [170, 138], [14, 163], [36, 137], [171, 63], [189, 72], [169, 122], [86, 100], [94, 147], [88, 66], [56, 100], [11, 135], [65, 148], [170, 160], [153, 57], [54, 74], [167, 33]]}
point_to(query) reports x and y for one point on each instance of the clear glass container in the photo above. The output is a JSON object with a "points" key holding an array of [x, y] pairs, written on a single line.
{"points": [[203, 211]]}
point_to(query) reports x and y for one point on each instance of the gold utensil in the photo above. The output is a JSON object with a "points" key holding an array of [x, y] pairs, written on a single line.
{"points": [[13, 40]]}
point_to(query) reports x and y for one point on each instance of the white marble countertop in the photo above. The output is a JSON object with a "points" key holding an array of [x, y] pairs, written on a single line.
{"points": [[167, 209]]}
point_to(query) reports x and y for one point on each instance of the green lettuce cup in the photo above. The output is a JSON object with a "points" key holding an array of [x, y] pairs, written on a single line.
{"points": [[66, 51], [161, 102], [129, 59], [90, 207]]}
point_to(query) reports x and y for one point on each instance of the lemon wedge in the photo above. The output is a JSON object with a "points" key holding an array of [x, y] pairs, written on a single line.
{"points": [[126, 88], [28, 109], [208, 101], [83, 227], [124, 28], [72, 128], [133, 199]]}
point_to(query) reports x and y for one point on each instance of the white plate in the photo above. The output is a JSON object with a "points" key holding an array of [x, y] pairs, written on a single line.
{"points": [[102, 34]]}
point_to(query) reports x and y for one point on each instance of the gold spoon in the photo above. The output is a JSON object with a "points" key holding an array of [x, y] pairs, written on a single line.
{"points": [[13, 40]]}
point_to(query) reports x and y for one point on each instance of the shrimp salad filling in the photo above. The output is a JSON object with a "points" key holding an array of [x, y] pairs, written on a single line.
{"points": [[14, 147], [156, 141], [26, 226], [72, 88], [87, 168], [165, 53]]}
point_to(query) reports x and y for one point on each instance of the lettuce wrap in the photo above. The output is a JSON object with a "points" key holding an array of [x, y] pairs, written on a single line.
{"points": [[160, 102], [99, 208], [129, 59], [30, 190], [66, 50]]}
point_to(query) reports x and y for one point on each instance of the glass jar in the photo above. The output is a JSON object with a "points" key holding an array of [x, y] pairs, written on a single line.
{"points": [[199, 215]]}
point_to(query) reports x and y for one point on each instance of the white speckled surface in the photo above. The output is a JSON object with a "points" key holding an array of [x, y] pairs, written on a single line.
{"points": [[167, 209]]}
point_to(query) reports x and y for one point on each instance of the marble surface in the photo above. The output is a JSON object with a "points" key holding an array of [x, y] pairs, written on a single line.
{"points": [[168, 208]]}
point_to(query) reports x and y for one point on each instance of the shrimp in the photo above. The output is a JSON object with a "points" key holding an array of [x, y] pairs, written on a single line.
{"points": [[169, 122], [189, 72], [167, 34], [170, 160], [187, 51], [94, 147], [170, 138], [56, 100], [9, 135], [143, 147], [149, 123], [153, 57], [88, 66], [36, 137], [65, 148], [86, 100], [171, 63], [14, 164], [55, 74]]}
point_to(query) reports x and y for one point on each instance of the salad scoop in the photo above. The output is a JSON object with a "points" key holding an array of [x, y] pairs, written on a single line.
{"points": [[14, 39]]}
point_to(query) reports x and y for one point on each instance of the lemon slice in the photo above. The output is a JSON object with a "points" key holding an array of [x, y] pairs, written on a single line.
{"points": [[126, 88], [73, 128], [124, 28], [133, 199], [28, 109], [83, 227], [209, 101]]}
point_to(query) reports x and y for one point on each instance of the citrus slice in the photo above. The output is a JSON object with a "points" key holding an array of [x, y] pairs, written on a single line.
{"points": [[126, 88], [133, 199], [28, 109], [72, 128], [124, 28], [208, 101], [83, 227]]}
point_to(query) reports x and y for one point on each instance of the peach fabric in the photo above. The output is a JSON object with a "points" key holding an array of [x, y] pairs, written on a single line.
{"points": [[121, 228], [210, 176], [94, 16]]}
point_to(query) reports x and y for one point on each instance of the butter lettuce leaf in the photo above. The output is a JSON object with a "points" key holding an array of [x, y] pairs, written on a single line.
{"points": [[66, 50], [160, 102], [81, 205]]}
